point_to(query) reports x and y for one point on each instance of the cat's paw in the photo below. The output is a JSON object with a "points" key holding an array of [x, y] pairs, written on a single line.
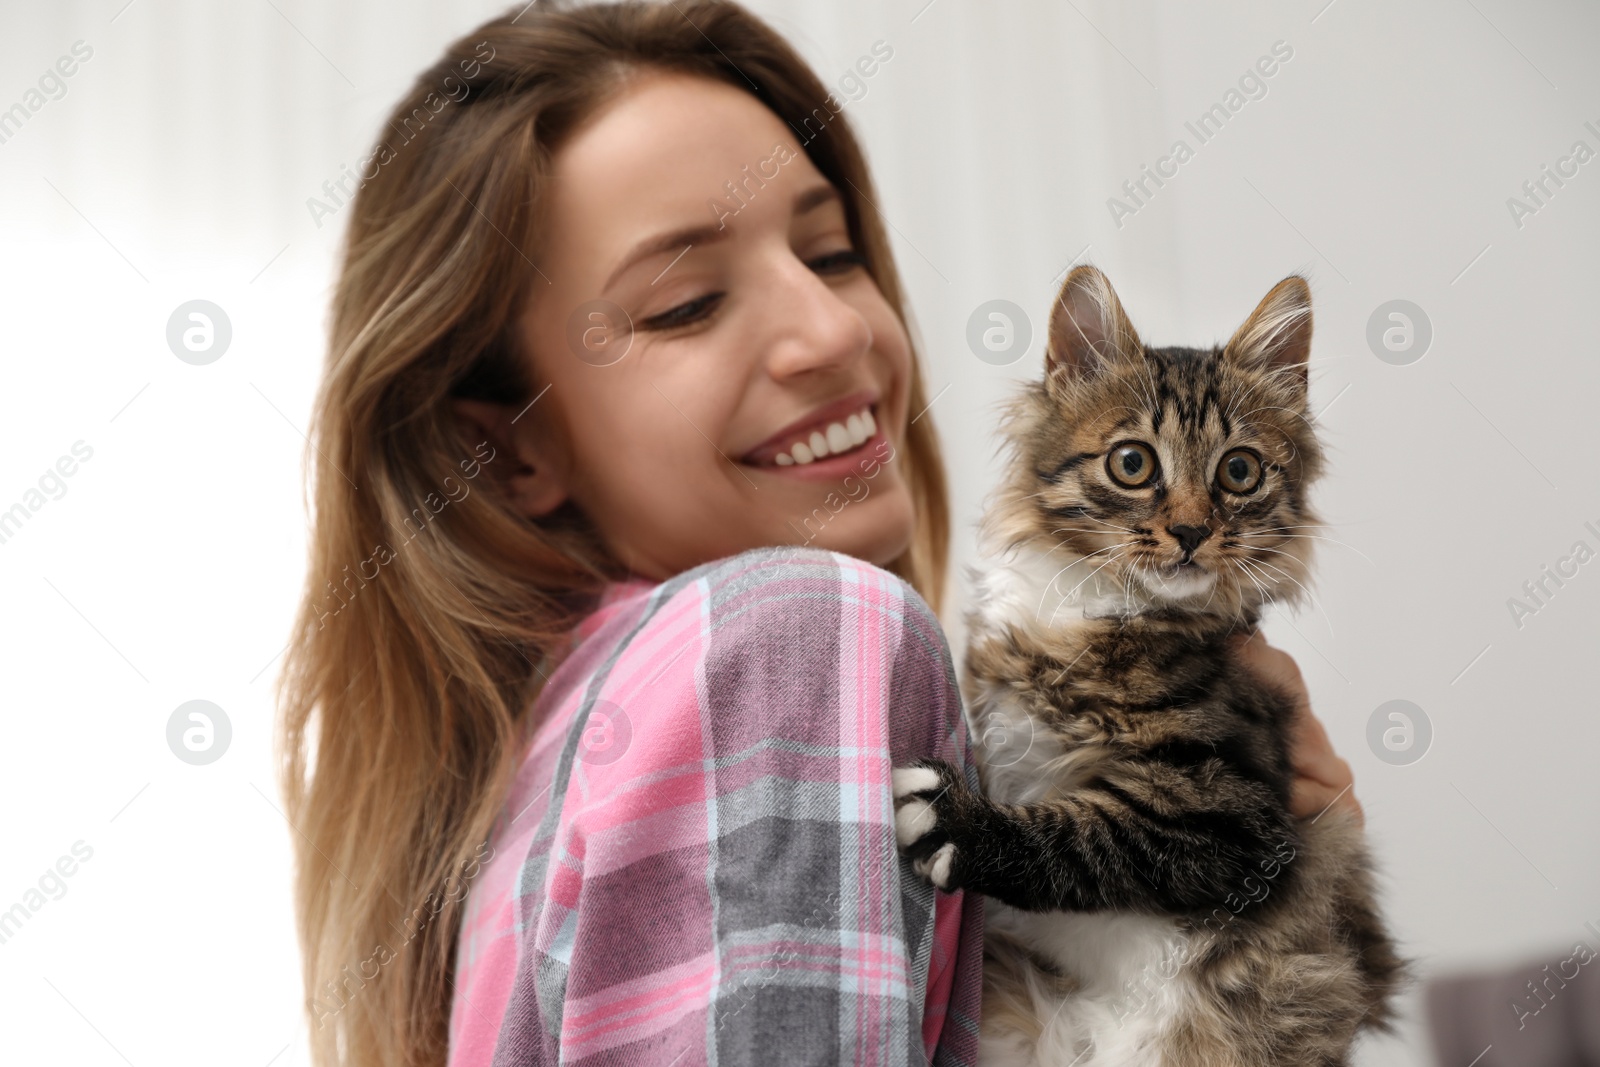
{"points": [[926, 797]]}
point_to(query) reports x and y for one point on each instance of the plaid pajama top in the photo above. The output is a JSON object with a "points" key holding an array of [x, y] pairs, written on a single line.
{"points": [[696, 863]]}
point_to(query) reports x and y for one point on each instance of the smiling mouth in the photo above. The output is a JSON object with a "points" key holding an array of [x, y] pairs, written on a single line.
{"points": [[838, 436]]}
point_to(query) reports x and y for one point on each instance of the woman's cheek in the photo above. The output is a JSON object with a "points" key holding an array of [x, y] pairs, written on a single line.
{"points": [[893, 347]]}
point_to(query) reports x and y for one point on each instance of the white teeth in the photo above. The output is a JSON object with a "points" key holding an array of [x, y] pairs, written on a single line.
{"points": [[836, 438]]}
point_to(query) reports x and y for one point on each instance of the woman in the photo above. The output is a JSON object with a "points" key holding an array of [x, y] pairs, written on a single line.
{"points": [[594, 763]]}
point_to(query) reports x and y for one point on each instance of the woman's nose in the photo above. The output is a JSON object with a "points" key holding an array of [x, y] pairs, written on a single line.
{"points": [[811, 326]]}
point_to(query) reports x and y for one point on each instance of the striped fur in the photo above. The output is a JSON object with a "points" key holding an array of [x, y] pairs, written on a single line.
{"points": [[1152, 900]]}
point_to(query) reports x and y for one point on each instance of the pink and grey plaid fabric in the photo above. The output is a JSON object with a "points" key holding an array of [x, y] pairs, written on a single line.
{"points": [[697, 863]]}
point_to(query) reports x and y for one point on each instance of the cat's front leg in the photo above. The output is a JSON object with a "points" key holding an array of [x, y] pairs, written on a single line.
{"points": [[1186, 844], [935, 820]]}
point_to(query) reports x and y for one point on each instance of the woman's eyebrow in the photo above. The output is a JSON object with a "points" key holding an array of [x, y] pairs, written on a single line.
{"points": [[806, 201], [666, 242], [815, 197]]}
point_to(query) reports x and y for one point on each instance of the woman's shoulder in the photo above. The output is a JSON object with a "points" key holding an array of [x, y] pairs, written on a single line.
{"points": [[781, 618], [775, 614], [755, 594], [786, 583], [772, 620]]}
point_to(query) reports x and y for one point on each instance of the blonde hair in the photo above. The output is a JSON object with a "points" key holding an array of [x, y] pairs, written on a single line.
{"points": [[412, 664]]}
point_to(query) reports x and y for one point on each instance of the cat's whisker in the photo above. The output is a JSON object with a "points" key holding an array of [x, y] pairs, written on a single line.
{"points": [[1089, 530], [1082, 556], [1309, 537], [1276, 407], [1113, 525], [1052, 582], [1063, 544], [1266, 548], [1128, 573], [1073, 591], [1263, 564], [1314, 601], [1276, 552], [1240, 397], [1148, 387], [1108, 561], [1307, 526], [1275, 529], [1244, 569]]}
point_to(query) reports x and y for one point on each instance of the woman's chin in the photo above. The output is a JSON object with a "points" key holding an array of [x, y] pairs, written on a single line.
{"points": [[876, 528]]}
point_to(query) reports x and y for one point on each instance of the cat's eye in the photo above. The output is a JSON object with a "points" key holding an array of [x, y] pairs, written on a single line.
{"points": [[1131, 464], [1239, 471]]}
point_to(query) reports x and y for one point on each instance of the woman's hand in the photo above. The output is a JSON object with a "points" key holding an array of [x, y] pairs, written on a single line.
{"points": [[1322, 779]]}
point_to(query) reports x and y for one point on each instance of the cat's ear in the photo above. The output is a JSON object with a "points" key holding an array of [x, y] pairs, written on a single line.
{"points": [[1277, 335], [1088, 328]]}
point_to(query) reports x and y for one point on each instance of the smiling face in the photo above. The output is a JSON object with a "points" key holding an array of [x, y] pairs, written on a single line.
{"points": [[1176, 475], [761, 396]]}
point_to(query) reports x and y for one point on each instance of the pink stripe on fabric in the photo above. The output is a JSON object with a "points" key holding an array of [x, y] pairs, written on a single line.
{"points": [[627, 1017], [871, 762], [564, 884], [484, 990], [622, 798], [673, 643], [947, 908], [625, 995], [484, 984], [641, 1015], [633, 840], [867, 963]]}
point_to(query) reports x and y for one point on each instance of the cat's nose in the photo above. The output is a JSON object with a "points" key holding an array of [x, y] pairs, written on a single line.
{"points": [[1189, 536]]}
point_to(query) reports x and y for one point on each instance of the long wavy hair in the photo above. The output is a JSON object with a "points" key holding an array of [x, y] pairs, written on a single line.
{"points": [[413, 665]]}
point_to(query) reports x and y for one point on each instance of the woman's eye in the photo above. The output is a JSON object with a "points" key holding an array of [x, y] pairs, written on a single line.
{"points": [[838, 262], [683, 314], [1239, 471], [1131, 464]]}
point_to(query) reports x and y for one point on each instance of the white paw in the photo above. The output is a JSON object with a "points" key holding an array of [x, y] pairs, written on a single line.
{"points": [[936, 868], [908, 780], [915, 818]]}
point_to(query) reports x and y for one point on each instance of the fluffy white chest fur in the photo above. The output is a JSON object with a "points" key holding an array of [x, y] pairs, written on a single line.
{"points": [[1128, 968]]}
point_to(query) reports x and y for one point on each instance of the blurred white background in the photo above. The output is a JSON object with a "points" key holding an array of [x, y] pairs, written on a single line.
{"points": [[177, 164]]}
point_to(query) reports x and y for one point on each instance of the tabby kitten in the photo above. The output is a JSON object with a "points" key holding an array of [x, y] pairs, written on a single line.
{"points": [[1152, 900]]}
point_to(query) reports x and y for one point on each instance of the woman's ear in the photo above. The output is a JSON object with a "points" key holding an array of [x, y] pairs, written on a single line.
{"points": [[526, 463]]}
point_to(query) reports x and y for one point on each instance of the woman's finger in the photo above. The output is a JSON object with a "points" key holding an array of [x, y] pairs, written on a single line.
{"points": [[1312, 755], [1272, 665], [1310, 799], [1322, 778]]}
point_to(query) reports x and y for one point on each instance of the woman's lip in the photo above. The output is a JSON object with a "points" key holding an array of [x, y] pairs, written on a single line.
{"points": [[831, 467], [837, 411]]}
